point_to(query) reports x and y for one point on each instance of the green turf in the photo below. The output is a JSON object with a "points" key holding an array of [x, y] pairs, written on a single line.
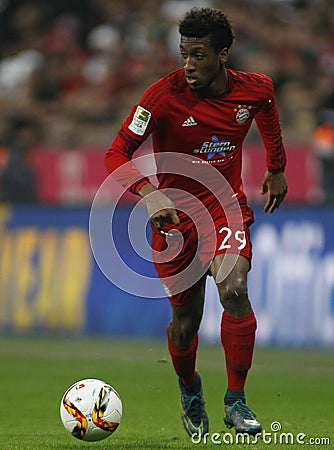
{"points": [[293, 387]]}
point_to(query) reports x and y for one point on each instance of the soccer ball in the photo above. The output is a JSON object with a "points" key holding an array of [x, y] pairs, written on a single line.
{"points": [[91, 410]]}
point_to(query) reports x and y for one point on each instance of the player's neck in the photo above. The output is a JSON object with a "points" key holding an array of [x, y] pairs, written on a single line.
{"points": [[218, 86]]}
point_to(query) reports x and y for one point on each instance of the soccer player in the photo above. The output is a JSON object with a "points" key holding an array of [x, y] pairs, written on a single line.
{"points": [[198, 117]]}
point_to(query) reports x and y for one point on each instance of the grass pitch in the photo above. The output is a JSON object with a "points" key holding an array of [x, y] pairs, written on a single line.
{"points": [[292, 387]]}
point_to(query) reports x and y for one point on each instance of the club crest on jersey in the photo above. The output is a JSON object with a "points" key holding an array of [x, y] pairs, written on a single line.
{"points": [[242, 113], [140, 121]]}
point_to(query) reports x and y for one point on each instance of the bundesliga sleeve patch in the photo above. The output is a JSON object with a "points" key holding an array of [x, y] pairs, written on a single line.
{"points": [[140, 121]]}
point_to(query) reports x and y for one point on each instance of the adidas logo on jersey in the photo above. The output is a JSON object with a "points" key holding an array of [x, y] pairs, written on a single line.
{"points": [[190, 122]]}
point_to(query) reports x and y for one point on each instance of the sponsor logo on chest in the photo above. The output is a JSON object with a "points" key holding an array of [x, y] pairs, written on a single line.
{"points": [[215, 147]]}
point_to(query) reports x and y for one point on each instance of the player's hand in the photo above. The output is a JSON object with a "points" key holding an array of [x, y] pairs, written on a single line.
{"points": [[160, 208], [276, 186]]}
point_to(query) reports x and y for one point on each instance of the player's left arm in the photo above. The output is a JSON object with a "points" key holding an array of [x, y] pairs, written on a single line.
{"points": [[276, 186], [267, 119]]}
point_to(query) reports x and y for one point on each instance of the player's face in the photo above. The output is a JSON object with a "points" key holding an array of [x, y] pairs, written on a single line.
{"points": [[203, 67]]}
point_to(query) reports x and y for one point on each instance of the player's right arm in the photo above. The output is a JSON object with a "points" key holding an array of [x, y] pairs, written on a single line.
{"points": [[118, 162], [160, 208], [118, 158]]}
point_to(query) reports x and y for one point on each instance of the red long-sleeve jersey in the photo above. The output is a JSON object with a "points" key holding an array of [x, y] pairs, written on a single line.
{"points": [[207, 131]]}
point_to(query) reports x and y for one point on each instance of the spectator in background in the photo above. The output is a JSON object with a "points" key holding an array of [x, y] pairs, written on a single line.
{"points": [[17, 181], [82, 58], [323, 141]]}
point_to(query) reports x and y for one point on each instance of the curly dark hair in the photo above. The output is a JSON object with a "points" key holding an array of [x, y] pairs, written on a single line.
{"points": [[211, 22]]}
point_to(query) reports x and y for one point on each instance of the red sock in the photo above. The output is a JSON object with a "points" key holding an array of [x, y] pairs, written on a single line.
{"points": [[184, 360], [237, 337]]}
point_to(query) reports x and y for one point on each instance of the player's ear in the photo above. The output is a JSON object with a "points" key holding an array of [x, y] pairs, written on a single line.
{"points": [[224, 55]]}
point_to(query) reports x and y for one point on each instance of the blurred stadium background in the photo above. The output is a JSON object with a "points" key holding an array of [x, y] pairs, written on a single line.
{"points": [[69, 73]]}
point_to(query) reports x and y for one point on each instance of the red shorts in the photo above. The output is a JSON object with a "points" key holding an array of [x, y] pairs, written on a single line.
{"points": [[182, 260]]}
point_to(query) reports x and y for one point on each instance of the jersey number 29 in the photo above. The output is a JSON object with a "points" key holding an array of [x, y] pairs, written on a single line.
{"points": [[239, 236]]}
